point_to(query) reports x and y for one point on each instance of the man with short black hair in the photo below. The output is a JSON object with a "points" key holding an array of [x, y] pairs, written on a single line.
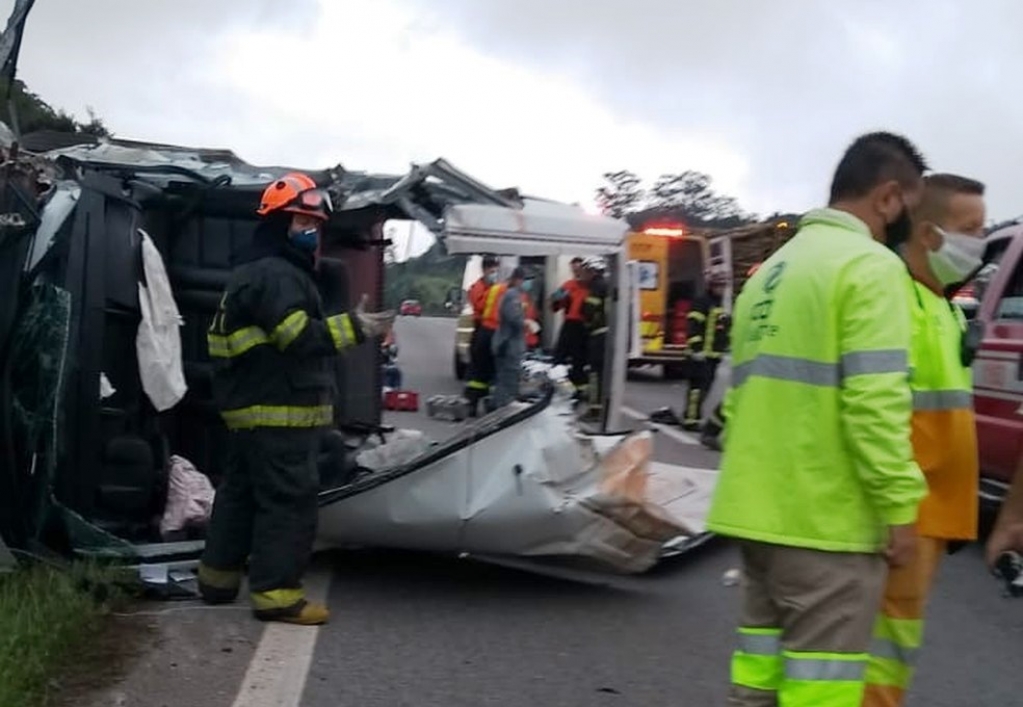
{"points": [[944, 250], [817, 477]]}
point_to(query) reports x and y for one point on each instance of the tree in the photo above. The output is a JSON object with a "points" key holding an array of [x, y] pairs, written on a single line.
{"points": [[36, 114], [686, 196], [622, 193], [690, 193]]}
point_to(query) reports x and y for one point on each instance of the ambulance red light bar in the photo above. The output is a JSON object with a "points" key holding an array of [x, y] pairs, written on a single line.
{"points": [[672, 231]]}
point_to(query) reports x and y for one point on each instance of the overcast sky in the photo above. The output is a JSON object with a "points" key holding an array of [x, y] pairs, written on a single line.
{"points": [[546, 95]]}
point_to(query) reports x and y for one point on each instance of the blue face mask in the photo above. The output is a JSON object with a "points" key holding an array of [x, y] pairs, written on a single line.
{"points": [[527, 285], [306, 240], [491, 277]]}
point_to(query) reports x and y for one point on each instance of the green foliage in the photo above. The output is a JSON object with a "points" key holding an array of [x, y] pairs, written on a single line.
{"points": [[46, 615], [685, 196], [427, 278], [36, 114]]}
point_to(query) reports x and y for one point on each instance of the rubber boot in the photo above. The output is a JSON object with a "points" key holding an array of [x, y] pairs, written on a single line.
{"points": [[304, 613]]}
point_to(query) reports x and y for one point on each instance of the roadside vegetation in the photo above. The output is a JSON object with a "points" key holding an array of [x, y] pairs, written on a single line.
{"points": [[47, 615]]}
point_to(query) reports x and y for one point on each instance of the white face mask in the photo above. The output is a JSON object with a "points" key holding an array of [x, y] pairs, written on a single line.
{"points": [[958, 257]]}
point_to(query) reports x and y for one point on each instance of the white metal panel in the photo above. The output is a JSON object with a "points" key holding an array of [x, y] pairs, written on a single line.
{"points": [[539, 228]]}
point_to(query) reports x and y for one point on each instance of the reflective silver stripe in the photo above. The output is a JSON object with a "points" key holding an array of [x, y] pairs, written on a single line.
{"points": [[942, 400], [759, 644], [890, 650], [802, 370], [601, 330], [823, 669], [799, 370], [866, 362]]}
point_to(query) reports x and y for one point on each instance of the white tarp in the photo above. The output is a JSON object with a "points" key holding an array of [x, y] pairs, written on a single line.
{"points": [[538, 489], [538, 228]]}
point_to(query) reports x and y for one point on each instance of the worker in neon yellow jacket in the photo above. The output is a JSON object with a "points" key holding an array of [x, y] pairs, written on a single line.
{"points": [[817, 477]]}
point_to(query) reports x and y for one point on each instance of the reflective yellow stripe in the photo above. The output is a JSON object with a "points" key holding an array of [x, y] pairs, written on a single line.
{"points": [[236, 343], [289, 329], [477, 385], [894, 650], [276, 599], [757, 662], [697, 315], [279, 416], [219, 579], [341, 331]]}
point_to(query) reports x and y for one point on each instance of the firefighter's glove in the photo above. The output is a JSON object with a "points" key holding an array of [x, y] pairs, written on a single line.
{"points": [[373, 323]]}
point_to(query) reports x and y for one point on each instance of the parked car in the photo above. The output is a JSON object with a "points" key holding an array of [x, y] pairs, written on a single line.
{"points": [[411, 308]]}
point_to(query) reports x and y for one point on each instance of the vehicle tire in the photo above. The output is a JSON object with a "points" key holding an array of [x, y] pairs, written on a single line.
{"points": [[674, 371], [461, 370]]}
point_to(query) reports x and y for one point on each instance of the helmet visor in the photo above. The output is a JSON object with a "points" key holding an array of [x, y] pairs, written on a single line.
{"points": [[315, 199]]}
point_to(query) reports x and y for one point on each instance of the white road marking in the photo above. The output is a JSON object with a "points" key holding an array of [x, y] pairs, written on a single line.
{"points": [[277, 674], [677, 435]]}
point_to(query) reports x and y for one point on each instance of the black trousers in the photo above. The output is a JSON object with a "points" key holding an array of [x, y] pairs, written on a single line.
{"points": [[481, 365], [266, 507], [572, 348], [700, 382]]}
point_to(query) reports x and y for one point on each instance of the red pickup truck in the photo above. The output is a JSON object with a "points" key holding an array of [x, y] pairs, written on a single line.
{"points": [[996, 296]]}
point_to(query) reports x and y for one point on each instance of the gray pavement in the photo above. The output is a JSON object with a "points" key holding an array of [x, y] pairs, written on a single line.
{"points": [[417, 630]]}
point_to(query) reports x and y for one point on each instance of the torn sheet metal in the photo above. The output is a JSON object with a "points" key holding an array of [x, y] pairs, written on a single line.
{"points": [[534, 488]]}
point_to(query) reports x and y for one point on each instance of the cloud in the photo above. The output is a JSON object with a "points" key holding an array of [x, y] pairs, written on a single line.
{"points": [[548, 95], [785, 84]]}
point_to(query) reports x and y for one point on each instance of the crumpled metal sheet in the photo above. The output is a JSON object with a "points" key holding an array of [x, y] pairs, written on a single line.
{"points": [[539, 488]]}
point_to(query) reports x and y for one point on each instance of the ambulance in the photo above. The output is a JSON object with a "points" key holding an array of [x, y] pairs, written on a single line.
{"points": [[669, 267]]}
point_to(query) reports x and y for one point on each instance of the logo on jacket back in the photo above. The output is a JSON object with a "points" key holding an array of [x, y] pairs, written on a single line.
{"points": [[760, 315]]}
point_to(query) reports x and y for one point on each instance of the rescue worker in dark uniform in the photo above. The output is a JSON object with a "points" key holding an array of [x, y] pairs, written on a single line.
{"points": [[571, 344], [481, 359], [710, 435], [706, 343], [594, 312], [273, 352]]}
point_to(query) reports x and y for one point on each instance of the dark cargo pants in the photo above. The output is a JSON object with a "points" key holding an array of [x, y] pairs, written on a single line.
{"points": [[265, 510]]}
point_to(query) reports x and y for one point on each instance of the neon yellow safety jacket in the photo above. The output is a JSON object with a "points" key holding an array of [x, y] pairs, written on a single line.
{"points": [[817, 445]]}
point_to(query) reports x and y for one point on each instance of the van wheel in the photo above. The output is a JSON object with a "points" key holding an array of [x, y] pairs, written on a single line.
{"points": [[460, 368]]}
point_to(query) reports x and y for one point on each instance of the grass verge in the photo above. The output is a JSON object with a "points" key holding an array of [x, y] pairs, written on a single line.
{"points": [[46, 615]]}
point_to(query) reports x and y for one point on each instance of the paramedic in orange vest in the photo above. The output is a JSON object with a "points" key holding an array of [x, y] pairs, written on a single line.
{"points": [[572, 339], [943, 251], [480, 359]]}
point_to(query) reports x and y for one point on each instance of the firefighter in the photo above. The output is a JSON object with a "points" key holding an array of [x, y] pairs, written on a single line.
{"points": [[571, 345], [509, 339], [817, 478], [594, 313], [944, 251], [481, 360], [273, 354], [706, 343], [710, 434]]}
